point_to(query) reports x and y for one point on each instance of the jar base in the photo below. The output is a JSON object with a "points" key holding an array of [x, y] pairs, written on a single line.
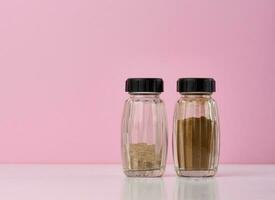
{"points": [[196, 173], [144, 173]]}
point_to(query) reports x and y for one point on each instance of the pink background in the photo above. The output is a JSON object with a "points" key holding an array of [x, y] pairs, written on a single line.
{"points": [[63, 65]]}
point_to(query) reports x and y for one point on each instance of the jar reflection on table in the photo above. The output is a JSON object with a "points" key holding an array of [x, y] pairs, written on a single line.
{"points": [[143, 189], [196, 189]]}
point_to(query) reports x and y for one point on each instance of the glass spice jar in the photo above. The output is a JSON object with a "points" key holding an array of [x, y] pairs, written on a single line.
{"points": [[144, 129], [196, 128]]}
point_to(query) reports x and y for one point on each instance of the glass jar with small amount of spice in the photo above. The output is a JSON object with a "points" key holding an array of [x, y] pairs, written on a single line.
{"points": [[196, 128], [144, 129]]}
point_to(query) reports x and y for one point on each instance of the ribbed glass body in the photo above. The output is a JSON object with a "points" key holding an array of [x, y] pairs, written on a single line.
{"points": [[144, 135], [196, 135]]}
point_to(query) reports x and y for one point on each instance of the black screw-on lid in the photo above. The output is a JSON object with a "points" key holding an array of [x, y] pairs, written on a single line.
{"points": [[154, 85], [196, 85]]}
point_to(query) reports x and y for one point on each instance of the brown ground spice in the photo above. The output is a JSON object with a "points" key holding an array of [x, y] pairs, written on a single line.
{"points": [[195, 143], [144, 157]]}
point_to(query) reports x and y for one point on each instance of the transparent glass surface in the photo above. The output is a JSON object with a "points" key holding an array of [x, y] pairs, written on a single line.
{"points": [[144, 136], [196, 135]]}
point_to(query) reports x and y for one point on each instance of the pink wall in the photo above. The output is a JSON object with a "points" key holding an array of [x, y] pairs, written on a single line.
{"points": [[63, 64]]}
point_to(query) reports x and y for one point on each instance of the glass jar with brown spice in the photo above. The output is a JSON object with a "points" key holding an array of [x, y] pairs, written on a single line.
{"points": [[196, 128]]}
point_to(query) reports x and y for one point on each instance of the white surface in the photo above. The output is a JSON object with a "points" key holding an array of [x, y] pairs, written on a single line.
{"points": [[96, 182]]}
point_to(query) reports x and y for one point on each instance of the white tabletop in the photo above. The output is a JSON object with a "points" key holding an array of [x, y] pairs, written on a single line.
{"points": [[96, 182]]}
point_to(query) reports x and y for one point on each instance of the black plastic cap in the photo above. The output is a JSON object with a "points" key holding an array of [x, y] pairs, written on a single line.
{"points": [[152, 85], [197, 85]]}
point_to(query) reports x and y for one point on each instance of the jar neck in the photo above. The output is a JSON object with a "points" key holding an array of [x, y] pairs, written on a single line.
{"points": [[196, 94], [144, 94]]}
